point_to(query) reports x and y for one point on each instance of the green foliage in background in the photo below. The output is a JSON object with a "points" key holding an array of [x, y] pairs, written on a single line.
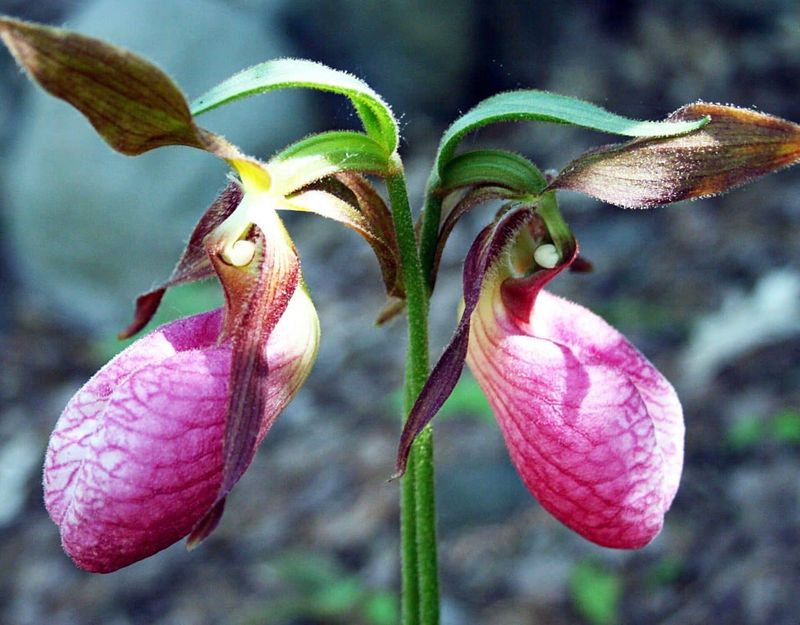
{"points": [[642, 315], [666, 571], [751, 431], [596, 593], [316, 587]]}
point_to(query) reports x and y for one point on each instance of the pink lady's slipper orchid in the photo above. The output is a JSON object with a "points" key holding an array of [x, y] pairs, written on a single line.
{"points": [[594, 430], [147, 451]]}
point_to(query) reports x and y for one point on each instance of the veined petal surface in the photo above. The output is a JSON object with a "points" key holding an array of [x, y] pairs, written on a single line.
{"points": [[594, 430], [136, 459]]}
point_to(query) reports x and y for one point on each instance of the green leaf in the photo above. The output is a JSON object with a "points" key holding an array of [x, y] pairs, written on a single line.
{"points": [[375, 114], [495, 168], [339, 596], [596, 593], [321, 155], [534, 105], [306, 570], [666, 571]]}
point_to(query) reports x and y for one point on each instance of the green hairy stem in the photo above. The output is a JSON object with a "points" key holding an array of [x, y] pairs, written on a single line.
{"points": [[420, 603]]}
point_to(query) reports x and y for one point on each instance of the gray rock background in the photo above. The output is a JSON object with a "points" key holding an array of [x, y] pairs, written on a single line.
{"points": [[708, 290]]}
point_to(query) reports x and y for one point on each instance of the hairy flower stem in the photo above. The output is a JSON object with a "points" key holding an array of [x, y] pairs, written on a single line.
{"points": [[408, 547], [420, 605], [431, 217], [425, 517]]}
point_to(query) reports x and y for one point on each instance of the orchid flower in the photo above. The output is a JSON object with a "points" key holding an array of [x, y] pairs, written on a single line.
{"points": [[149, 449], [594, 430]]}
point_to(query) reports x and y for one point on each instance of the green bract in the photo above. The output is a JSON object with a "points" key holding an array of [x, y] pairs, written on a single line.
{"points": [[375, 114], [327, 153], [543, 106], [493, 167]]}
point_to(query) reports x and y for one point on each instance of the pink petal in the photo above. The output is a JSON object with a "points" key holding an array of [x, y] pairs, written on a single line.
{"points": [[594, 430], [82, 416], [135, 460], [595, 342], [153, 465]]}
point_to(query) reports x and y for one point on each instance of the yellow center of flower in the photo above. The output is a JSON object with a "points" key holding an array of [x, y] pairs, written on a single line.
{"points": [[253, 176], [258, 206]]}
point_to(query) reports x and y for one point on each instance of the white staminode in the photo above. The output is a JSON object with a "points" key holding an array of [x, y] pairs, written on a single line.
{"points": [[256, 207], [546, 256], [241, 253]]}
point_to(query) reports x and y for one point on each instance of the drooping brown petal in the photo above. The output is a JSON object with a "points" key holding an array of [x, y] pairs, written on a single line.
{"points": [[206, 525], [460, 204], [193, 264], [130, 102], [349, 199], [379, 217], [257, 296], [485, 250], [449, 219], [735, 147], [373, 207]]}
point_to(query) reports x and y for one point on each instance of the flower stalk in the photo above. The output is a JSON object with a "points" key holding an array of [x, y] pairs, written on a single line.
{"points": [[418, 521]]}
